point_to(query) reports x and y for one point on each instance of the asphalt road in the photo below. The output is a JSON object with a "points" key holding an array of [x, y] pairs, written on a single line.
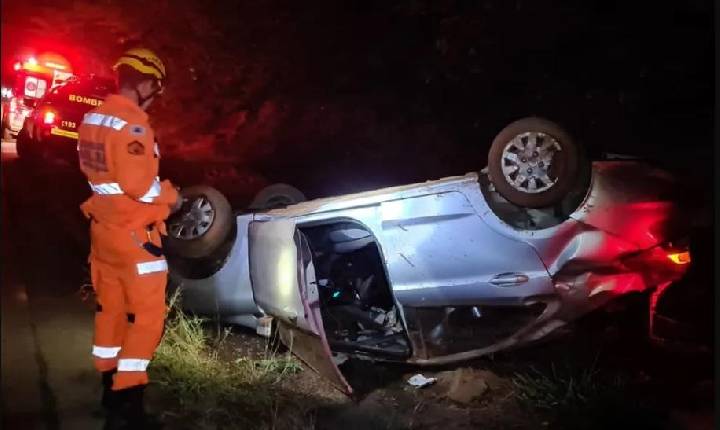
{"points": [[48, 381]]}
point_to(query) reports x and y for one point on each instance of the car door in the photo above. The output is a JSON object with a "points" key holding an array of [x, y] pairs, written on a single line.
{"points": [[285, 287], [439, 252]]}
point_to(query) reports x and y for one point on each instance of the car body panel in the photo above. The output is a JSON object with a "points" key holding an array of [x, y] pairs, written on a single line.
{"points": [[439, 253], [611, 221], [633, 201], [436, 248], [287, 289], [275, 285], [372, 198], [212, 295], [443, 246]]}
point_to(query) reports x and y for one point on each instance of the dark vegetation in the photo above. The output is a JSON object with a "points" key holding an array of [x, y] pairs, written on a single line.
{"points": [[338, 96]]}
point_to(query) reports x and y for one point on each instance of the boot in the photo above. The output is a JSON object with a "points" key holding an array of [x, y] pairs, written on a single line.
{"points": [[107, 381], [127, 411]]}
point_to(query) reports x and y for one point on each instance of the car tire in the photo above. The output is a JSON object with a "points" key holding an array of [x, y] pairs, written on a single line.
{"points": [[203, 240], [536, 179], [276, 196]]}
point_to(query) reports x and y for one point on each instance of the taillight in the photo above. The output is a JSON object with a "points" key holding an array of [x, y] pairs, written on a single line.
{"points": [[679, 257], [659, 264], [49, 117], [678, 252]]}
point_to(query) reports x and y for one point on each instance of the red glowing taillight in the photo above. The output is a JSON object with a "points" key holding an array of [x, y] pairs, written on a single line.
{"points": [[660, 264], [679, 258], [49, 117], [678, 252]]}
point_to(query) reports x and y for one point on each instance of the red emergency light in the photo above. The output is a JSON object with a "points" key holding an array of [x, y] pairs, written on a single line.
{"points": [[46, 63], [54, 65], [49, 117]]}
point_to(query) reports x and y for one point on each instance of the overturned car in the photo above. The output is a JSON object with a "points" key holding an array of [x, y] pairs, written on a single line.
{"points": [[435, 272]]}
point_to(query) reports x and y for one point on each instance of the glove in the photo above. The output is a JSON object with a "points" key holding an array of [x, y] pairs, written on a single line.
{"points": [[178, 204]]}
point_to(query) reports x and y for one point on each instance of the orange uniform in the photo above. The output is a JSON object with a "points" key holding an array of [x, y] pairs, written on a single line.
{"points": [[119, 156]]}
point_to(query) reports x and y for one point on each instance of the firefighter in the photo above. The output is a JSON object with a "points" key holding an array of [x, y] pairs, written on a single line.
{"points": [[119, 155]]}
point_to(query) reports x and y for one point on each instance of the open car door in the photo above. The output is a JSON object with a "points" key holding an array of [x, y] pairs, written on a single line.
{"points": [[285, 287]]}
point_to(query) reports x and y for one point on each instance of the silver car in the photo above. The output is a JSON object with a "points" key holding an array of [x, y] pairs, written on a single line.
{"points": [[435, 272]]}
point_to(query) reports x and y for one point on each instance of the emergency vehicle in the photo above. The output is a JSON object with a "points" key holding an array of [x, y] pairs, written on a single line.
{"points": [[34, 77], [50, 132]]}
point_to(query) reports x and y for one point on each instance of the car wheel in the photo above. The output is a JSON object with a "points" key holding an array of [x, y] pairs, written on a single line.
{"points": [[201, 225], [276, 196], [534, 163]]}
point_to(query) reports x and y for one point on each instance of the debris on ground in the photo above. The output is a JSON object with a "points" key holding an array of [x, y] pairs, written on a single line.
{"points": [[465, 385], [420, 381]]}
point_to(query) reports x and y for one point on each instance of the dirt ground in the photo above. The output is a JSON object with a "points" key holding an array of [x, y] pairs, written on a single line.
{"points": [[662, 389]]}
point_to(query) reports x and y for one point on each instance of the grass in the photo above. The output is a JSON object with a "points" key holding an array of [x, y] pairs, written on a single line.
{"points": [[241, 393], [585, 398]]}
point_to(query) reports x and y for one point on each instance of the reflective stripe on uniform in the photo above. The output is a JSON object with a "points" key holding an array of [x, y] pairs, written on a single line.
{"points": [[132, 365], [113, 188], [102, 120], [152, 267], [153, 192], [106, 188], [105, 351]]}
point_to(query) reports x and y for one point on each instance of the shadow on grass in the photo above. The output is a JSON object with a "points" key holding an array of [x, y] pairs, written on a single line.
{"points": [[199, 390], [587, 398]]}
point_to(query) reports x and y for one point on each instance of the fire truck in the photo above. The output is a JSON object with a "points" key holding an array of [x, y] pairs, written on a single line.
{"points": [[49, 133], [33, 77]]}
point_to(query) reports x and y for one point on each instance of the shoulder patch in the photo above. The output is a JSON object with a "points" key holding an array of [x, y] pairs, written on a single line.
{"points": [[137, 130], [136, 148]]}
